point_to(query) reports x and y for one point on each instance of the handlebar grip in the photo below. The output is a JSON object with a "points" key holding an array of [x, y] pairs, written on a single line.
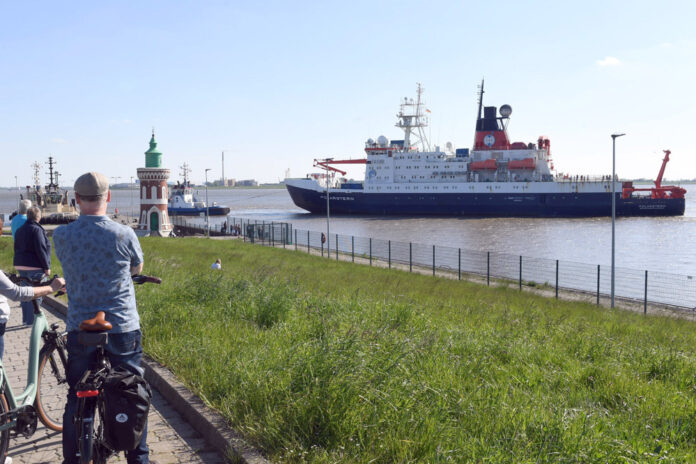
{"points": [[141, 279]]}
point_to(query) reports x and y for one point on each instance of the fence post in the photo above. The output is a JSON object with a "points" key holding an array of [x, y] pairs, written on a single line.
{"points": [[460, 264], [598, 268], [556, 279], [389, 245], [295, 239], [352, 247], [433, 259], [488, 268], [322, 248], [645, 298], [308, 242], [520, 272], [272, 235], [410, 257], [370, 251], [336, 247]]}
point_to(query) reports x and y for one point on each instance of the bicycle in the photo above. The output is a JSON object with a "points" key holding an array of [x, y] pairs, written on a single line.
{"points": [[89, 418], [47, 388]]}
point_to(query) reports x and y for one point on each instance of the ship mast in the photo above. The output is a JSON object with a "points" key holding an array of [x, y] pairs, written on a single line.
{"points": [[51, 185], [480, 100], [185, 170], [411, 118], [37, 176]]}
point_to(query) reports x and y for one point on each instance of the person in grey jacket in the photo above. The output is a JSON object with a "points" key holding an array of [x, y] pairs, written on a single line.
{"points": [[18, 293]]}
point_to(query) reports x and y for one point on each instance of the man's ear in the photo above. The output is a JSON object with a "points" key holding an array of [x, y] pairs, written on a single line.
{"points": [[108, 196], [77, 198]]}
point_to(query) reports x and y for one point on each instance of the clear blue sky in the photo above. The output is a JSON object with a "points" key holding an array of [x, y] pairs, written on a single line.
{"points": [[277, 84]]}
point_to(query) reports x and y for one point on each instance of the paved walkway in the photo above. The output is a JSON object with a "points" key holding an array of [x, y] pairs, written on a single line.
{"points": [[170, 438]]}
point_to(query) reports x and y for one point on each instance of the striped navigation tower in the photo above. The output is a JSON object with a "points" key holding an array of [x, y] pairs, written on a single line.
{"points": [[154, 219]]}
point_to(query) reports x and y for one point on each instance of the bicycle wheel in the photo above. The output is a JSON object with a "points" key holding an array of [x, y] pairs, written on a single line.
{"points": [[52, 388], [5, 434], [85, 429]]}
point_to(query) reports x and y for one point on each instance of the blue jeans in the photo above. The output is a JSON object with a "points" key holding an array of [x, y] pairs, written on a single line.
{"points": [[28, 306], [123, 349]]}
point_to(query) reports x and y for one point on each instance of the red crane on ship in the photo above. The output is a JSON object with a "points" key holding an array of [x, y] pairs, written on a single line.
{"points": [[326, 164], [659, 191]]}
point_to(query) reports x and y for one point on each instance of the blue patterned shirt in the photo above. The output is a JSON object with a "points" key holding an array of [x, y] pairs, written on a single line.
{"points": [[96, 255]]}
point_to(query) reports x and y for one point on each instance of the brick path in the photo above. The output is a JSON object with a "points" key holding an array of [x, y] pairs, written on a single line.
{"points": [[170, 438]]}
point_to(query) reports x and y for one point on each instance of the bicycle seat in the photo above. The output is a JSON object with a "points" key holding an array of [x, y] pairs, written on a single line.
{"points": [[96, 324]]}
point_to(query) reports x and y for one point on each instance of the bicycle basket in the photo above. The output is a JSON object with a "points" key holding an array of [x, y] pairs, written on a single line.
{"points": [[127, 399]]}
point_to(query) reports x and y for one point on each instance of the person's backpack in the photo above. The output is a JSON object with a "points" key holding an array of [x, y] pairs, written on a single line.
{"points": [[127, 399]]}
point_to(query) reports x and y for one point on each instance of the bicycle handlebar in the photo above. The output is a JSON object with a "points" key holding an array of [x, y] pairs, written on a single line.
{"points": [[16, 279], [140, 279]]}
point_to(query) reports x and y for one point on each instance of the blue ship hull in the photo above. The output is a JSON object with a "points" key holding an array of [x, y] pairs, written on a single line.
{"points": [[482, 205], [212, 211]]}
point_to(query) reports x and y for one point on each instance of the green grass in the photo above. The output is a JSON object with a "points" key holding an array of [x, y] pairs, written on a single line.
{"points": [[320, 361]]}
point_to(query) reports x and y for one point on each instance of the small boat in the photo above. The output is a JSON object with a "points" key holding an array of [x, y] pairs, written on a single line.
{"points": [[182, 201], [53, 201]]}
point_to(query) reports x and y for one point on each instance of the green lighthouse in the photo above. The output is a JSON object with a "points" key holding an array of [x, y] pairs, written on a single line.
{"points": [[154, 217], [153, 157]]}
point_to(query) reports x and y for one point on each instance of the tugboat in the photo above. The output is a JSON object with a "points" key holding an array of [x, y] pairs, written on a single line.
{"points": [[182, 202], [53, 201], [497, 178]]}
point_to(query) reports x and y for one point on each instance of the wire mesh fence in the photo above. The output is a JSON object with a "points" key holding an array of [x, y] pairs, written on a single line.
{"points": [[591, 280]]}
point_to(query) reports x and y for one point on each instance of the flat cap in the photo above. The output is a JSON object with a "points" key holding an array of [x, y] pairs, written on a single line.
{"points": [[92, 184]]}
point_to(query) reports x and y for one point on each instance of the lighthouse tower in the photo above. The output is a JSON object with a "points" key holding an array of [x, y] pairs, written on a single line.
{"points": [[154, 219]]}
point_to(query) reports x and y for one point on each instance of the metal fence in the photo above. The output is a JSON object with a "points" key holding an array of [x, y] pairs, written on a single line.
{"points": [[591, 280]]}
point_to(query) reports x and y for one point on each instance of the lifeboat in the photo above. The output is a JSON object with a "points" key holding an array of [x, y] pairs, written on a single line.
{"points": [[488, 165], [527, 163]]}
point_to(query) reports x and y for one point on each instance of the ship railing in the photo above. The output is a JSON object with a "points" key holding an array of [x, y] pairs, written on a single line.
{"points": [[582, 178]]}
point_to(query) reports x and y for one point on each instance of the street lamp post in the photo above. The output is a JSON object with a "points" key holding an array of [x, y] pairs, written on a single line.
{"points": [[328, 229], [207, 210], [116, 178], [613, 211], [130, 187]]}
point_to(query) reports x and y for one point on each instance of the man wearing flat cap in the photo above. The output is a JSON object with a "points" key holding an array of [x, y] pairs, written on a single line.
{"points": [[98, 258]]}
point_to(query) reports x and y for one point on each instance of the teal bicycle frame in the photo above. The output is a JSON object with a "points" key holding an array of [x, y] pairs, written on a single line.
{"points": [[28, 396], [46, 391]]}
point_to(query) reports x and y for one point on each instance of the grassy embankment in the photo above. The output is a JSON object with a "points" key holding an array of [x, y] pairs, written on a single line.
{"points": [[318, 361]]}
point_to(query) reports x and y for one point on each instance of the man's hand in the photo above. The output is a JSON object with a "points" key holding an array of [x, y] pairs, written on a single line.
{"points": [[134, 270], [47, 272]]}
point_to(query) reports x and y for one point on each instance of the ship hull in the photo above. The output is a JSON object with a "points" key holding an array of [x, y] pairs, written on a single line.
{"points": [[212, 211], [481, 204]]}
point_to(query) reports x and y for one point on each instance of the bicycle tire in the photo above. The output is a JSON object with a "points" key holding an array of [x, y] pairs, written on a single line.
{"points": [[5, 434], [52, 388], [85, 429]]}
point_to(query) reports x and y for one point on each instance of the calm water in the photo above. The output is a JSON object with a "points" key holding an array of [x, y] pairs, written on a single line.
{"points": [[656, 244]]}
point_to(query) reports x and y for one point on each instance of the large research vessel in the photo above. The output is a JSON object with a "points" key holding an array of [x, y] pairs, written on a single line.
{"points": [[496, 178]]}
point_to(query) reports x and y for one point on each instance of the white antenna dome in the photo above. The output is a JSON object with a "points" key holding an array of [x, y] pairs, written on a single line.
{"points": [[370, 141], [505, 111], [382, 141], [448, 146]]}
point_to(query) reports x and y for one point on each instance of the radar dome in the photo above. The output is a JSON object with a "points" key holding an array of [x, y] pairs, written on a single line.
{"points": [[506, 111], [382, 141], [370, 141]]}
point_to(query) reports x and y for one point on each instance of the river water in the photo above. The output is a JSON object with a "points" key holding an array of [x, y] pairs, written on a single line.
{"points": [[656, 244]]}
